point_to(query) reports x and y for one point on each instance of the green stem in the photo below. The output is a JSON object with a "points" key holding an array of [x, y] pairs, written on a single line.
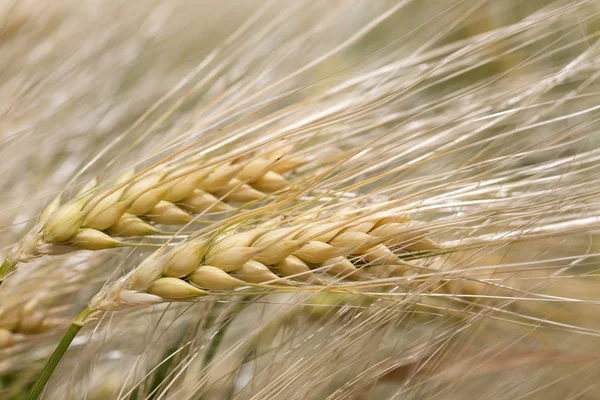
{"points": [[220, 334], [60, 350], [4, 268]]}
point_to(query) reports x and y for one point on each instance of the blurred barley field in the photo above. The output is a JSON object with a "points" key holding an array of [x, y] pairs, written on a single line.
{"points": [[445, 153]]}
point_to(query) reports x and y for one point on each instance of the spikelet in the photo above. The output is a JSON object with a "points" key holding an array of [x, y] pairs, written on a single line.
{"points": [[174, 289], [208, 277], [185, 186], [167, 213], [295, 268], [91, 239], [107, 212], [200, 201], [148, 271], [255, 272], [183, 260], [62, 224], [131, 225]]}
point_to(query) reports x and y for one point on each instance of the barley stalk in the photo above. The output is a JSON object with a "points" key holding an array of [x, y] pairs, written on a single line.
{"points": [[57, 355]]}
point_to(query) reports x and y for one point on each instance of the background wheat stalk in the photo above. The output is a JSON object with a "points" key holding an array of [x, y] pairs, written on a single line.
{"points": [[310, 199]]}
